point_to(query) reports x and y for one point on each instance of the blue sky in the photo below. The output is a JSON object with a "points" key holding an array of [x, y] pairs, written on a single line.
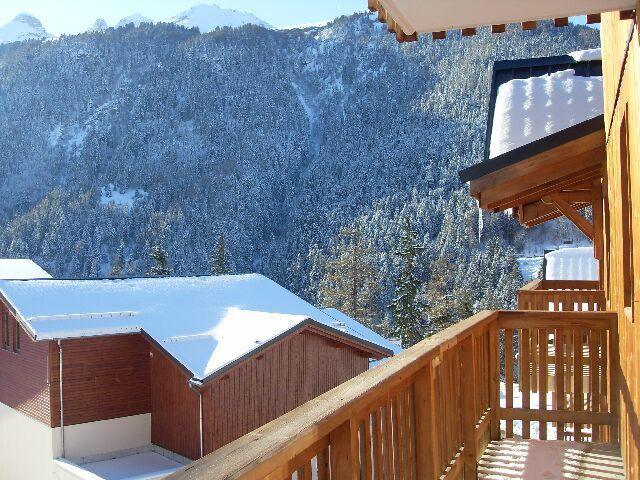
{"points": [[73, 16]]}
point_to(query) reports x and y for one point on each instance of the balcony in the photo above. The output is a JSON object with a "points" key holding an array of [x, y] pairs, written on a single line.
{"points": [[435, 411]]}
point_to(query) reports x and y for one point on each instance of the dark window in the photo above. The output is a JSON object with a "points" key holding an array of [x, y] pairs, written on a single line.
{"points": [[16, 336], [627, 215], [5, 330]]}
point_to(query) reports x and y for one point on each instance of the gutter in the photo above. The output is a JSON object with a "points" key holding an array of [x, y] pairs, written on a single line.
{"points": [[196, 385], [61, 399]]}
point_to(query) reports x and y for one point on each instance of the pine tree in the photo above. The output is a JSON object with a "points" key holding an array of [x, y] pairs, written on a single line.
{"points": [[117, 267], [218, 259], [350, 278], [159, 256], [408, 310]]}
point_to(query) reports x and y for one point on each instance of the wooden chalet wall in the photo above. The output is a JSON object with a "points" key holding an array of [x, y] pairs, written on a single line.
{"points": [[24, 376], [175, 408], [621, 68], [102, 378], [275, 381]]}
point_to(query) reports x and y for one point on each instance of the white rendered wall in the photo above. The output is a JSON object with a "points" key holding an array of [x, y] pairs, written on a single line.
{"points": [[27, 447], [92, 439]]}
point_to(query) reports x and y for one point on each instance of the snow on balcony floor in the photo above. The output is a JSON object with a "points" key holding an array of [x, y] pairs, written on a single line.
{"points": [[140, 466]]}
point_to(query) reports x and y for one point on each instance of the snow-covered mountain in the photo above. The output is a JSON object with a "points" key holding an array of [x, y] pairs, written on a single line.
{"points": [[209, 17], [136, 19], [23, 27], [99, 24]]}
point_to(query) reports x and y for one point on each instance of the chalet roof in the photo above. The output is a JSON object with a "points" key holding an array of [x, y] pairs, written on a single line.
{"points": [[21, 269], [207, 324], [411, 17], [538, 104]]}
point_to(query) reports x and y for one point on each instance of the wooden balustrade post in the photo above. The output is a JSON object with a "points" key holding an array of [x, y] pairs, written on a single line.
{"points": [[468, 389], [426, 437], [614, 373], [344, 457]]}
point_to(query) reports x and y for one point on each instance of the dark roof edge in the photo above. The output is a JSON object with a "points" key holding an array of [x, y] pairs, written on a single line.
{"points": [[536, 147], [539, 62]]}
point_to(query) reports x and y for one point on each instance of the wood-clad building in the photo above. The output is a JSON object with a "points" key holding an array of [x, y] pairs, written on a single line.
{"points": [[113, 384]]}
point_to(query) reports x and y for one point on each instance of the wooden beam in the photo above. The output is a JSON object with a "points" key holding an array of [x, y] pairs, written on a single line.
{"points": [[499, 28], [593, 18], [572, 214], [439, 35], [560, 22], [598, 221], [468, 32], [529, 25], [627, 14], [373, 5]]}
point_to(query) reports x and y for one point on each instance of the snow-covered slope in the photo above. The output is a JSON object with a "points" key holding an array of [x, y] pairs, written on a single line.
{"points": [[23, 27], [136, 19], [99, 24], [209, 17]]}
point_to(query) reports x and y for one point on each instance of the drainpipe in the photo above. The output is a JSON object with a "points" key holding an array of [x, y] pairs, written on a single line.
{"points": [[196, 385], [61, 399]]}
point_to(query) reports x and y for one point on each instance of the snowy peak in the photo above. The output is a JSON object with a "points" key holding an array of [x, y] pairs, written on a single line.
{"points": [[98, 25], [137, 19], [209, 17], [23, 27]]}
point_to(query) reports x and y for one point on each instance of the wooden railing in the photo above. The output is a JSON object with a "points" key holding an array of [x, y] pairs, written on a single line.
{"points": [[561, 295], [427, 413]]}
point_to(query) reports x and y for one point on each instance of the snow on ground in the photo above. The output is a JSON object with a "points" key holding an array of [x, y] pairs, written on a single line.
{"points": [[121, 197], [575, 263], [533, 108], [529, 267], [206, 323], [21, 269], [587, 55], [140, 466]]}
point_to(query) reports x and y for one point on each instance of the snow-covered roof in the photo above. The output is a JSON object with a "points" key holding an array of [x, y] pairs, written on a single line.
{"points": [[20, 269], [205, 323], [529, 109], [577, 263], [348, 325]]}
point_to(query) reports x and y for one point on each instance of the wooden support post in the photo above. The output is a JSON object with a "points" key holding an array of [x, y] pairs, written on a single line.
{"points": [[344, 464], [598, 227], [508, 376], [424, 410], [614, 375], [543, 379], [571, 213], [494, 380], [468, 386]]}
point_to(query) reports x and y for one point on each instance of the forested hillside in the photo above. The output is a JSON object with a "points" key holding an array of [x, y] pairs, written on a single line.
{"points": [[306, 149]]}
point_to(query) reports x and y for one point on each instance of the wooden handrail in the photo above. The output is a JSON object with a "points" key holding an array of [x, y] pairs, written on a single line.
{"points": [[535, 285], [431, 411]]}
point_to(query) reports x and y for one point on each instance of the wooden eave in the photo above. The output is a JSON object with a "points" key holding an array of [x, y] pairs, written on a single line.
{"points": [[534, 186], [409, 18]]}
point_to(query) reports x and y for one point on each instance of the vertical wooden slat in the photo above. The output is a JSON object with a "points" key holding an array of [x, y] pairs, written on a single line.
{"points": [[388, 442], [525, 366], [411, 438], [578, 401], [559, 341], [322, 461], [508, 373], [397, 441], [594, 379], [494, 380], [377, 445], [366, 450], [604, 383], [614, 372], [468, 384], [543, 378]]}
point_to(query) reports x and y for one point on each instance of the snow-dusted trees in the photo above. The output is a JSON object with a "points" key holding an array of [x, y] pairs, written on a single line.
{"points": [[409, 313], [218, 258], [350, 280], [160, 266]]}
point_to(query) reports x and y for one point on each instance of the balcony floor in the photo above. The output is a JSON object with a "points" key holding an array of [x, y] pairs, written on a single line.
{"points": [[550, 460]]}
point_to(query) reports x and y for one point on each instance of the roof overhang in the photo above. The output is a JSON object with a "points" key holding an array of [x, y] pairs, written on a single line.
{"points": [[527, 179], [411, 17]]}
